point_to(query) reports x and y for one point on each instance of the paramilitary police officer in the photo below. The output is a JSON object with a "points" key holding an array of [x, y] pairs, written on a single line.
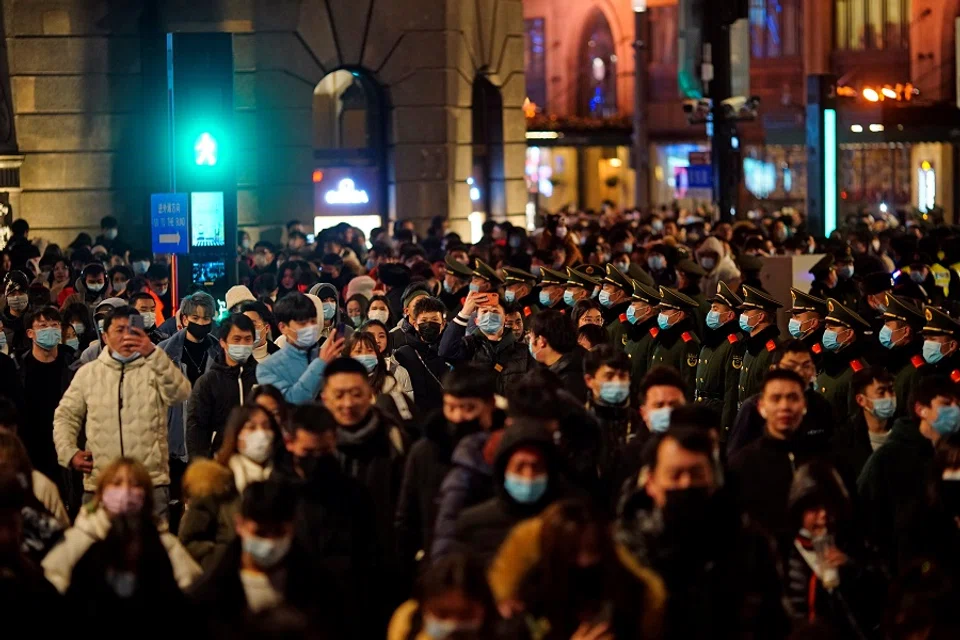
{"points": [[552, 284], [579, 287], [806, 322], [902, 341], [615, 298], [641, 331], [518, 290], [456, 286], [941, 339], [689, 274], [844, 346], [871, 305], [677, 343], [758, 319], [717, 378], [485, 278]]}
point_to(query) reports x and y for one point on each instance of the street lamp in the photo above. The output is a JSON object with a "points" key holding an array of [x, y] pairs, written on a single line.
{"points": [[641, 177]]}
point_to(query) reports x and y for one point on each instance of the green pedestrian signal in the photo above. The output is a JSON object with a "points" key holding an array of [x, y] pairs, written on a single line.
{"points": [[205, 150]]}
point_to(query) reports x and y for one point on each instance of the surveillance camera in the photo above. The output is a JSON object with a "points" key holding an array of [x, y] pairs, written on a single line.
{"points": [[735, 103]]}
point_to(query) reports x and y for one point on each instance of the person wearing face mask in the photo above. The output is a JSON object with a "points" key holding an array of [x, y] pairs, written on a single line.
{"points": [[807, 322], [225, 384], [845, 347], [140, 261], [518, 290], [109, 237], [406, 332], [676, 519], [421, 358], [17, 306], [526, 481], [485, 278], [891, 508], [717, 377], [689, 276], [263, 346], [297, 369], [491, 346], [146, 306], [124, 495], [91, 286], [871, 305], [714, 256], [266, 566], [552, 289], [118, 277], [868, 430], [642, 329], [677, 344], [579, 287], [941, 346], [606, 375], [122, 398], [825, 278], [158, 276], [468, 408], [456, 284], [758, 319], [614, 297], [553, 344], [900, 336], [762, 471]]}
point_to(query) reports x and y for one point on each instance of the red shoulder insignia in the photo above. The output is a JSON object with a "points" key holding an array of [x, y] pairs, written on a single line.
{"points": [[817, 348], [955, 375], [654, 331], [686, 336], [856, 365], [526, 312], [917, 361], [771, 345], [733, 338], [623, 317]]}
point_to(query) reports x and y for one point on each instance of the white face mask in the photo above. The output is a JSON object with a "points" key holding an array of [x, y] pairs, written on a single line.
{"points": [[380, 315], [258, 446]]}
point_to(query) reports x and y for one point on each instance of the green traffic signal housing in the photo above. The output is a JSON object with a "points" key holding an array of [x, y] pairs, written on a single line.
{"points": [[206, 150]]}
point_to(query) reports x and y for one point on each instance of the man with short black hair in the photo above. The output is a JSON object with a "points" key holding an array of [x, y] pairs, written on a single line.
{"points": [[264, 259], [405, 332], [553, 343], [332, 271], [91, 286], [297, 369], [146, 306], [158, 276], [262, 319], [420, 357], [853, 443]]}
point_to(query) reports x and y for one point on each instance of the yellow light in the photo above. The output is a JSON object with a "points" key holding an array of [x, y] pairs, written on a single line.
{"points": [[925, 165], [856, 128], [616, 163], [542, 135], [871, 95], [889, 93], [876, 128]]}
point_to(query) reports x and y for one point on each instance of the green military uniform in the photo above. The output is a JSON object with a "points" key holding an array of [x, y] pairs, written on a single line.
{"points": [[904, 361], [636, 272], [717, 379], [614, 317], [806, 303], [527, 304], [694, 273], [482, 270], [678, 345], [641, 337], [579, 279], [549, 277], [758, 349], [938, 323], [454, 299], [833, 381]]}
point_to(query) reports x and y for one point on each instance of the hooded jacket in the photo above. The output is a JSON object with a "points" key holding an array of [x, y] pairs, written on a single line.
{"points": [[177, 414], [214, 395], [482, 529], [724, 271], [425, 369], [124, 408], [298, 374], [81, 295], [208, 525], [508, 357]]}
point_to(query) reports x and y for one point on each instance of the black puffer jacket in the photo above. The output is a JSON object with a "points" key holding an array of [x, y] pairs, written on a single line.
{"points": [[216, 393], [509, 358]]}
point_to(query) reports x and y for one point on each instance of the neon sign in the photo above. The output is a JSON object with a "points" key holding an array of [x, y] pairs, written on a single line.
{"points": [[346, 193]]}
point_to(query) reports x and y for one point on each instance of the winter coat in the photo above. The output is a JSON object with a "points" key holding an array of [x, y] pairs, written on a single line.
{"points": [[178, 412], [639, 598], [208, 525], [298, 374], [401, 335], [81, 295], [569, 368], [215, 394], [510, 359], [724, 271], [124, 408], [481, 529], [92, 526], [246, 471], [426, 369], [47, 493], [814, 432]]}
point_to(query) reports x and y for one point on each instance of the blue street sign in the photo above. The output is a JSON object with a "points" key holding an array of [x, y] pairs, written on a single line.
{"points": [[700, 176], [168, 223]]}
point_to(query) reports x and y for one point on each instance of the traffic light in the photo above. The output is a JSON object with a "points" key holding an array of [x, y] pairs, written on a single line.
{"points": [[205, 150]]}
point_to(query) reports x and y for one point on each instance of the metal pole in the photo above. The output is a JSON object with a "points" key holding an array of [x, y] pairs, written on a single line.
{"points": [[640, 145], [724, 176]]}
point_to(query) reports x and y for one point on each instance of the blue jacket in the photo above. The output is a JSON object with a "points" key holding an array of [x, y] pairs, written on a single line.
{"points": [[177, 413], [296, 373], [468, 483]]}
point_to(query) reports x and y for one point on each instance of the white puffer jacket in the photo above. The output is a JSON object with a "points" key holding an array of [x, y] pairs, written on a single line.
{"points": [[129, 421], [93, 526]]}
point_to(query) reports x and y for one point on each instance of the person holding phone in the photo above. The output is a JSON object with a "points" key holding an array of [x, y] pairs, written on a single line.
{"points": [[122, 398]]}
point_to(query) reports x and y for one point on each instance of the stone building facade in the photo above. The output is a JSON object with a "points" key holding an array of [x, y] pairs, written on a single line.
{"points": [[72, 104]]}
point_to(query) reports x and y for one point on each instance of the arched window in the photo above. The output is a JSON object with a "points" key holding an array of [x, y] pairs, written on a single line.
{"points": [[598, 69]]}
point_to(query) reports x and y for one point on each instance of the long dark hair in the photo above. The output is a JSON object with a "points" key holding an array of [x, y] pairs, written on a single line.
{"points": [[283, 408], [455, 572], [379, 376], [238, 418]]}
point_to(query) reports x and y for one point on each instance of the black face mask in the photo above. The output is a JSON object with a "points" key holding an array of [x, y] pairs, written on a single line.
{"points": [[458, 430], [429, 331], [319, 468], [199, 331], [686, 509]]}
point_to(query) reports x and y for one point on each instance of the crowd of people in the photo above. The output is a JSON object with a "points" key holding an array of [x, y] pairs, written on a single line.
{"points": [[603, 429]]}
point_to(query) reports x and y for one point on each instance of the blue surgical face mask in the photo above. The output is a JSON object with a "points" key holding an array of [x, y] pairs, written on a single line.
{"points": [[884, 408], [632, 315], [886, 337], [947, 421], [140, 267], [545, 299], [932, 352], [745, 323], [568, 298], [239, 353], [708, 263], [623, 266], [490, 323], [614, 391], [846, 271], [73, 343], [659, 419], [329, 310], [124, 359], [307, 336], [509, 296], [447, 287], [628, 246], [525, 490], [605, 299], [663, 320], [795, 327], [368, 360], [713, 320], [657, 263], [830, 342], [474, 287], [356, 320], [48, 338]]}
